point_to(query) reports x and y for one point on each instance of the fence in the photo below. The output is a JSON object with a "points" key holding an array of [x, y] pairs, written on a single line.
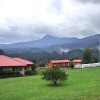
{"points": [[87, 65]]}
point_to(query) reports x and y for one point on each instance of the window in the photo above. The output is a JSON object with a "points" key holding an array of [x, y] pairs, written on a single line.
{"points": [[7, 69], [28, 68], [17, 69]]}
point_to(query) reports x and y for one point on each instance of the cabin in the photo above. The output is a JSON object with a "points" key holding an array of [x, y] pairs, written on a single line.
{"points": [[14, 64], [76, 61], [58, 63], [28, 63]]}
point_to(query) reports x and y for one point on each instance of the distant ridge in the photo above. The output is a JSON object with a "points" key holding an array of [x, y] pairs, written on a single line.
{"points": [[52, 43]]}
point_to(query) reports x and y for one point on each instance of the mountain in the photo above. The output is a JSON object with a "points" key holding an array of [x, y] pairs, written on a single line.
{"points": [[88, 42], [40, 44], [46, 41], [51, 43]]}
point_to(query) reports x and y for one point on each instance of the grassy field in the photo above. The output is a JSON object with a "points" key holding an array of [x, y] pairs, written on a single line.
{"points": [[83, 84]]}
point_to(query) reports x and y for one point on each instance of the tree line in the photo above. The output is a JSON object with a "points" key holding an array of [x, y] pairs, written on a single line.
{"points": [[41, 58]]}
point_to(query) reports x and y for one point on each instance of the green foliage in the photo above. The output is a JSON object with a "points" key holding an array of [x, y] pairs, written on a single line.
{"points": [[87, 55], [33, 67], [54, 74], [94, 58], [74, 54], [44, 57], [72, 65], [30, 72], [1, 52]]}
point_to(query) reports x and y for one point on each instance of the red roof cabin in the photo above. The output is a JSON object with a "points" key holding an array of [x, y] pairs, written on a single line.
{"points": [[58, 63], [6, 61], [23, 61], [14, 64], [76, 61]]}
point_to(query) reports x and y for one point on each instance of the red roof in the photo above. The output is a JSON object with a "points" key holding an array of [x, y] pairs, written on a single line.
{"points": [[23, 61], [59, 61], [8, 61], [76, 61]]}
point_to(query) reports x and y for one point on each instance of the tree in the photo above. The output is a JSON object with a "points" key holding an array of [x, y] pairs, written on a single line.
{"points": [[31, 72], [1, 52], [87, 55], [54, 75], [94, 58], [41, 65], [33, 67], [72, 65]]}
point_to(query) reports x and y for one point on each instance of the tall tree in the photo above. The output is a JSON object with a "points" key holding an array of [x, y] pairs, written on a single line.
{"points": [[87, 55], [94, 58]]}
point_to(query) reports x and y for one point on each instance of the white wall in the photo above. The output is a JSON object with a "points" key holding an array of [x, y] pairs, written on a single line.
{"points": [[87, 65]]}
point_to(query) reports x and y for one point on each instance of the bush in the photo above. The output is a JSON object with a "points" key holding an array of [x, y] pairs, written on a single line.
{"points": [[30, 72], [72, 65], [33, 67], [54, 74]]}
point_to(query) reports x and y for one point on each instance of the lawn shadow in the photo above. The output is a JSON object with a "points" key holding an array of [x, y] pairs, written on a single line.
{"points": [[61, 84]]}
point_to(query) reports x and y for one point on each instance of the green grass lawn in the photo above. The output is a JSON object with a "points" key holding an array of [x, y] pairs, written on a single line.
{"points": [[83, 84]]}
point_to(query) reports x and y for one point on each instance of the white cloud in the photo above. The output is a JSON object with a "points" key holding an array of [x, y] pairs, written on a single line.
{"points": [[27, 20]]}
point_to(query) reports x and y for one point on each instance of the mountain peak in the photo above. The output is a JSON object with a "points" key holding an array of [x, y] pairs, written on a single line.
{"points": [[48, 37]]}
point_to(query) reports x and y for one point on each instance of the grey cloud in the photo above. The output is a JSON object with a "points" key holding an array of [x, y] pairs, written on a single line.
{"points": [[57, 6], [8, 39], [18, 33], [87, 24], [89, 1]]}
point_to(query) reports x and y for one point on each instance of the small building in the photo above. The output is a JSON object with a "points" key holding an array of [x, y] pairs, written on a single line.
{"points": [[59, 63], [76, 61], [28, 63], [13, 64]]}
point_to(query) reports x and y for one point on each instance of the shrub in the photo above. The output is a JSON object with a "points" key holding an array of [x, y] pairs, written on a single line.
{"points": [[33, 67], [72, 65], [30, 72], [54, 74]]}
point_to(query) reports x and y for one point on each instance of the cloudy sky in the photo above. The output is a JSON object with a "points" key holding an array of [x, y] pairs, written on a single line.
{"points": [[25, 20]]}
